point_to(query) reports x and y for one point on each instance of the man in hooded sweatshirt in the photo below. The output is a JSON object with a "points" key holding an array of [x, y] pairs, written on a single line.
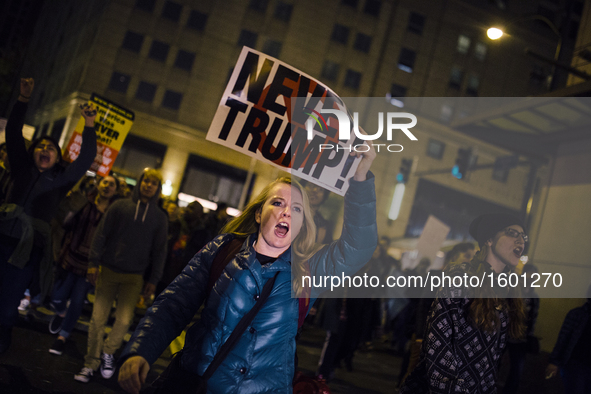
{"points": [[131, 236]]}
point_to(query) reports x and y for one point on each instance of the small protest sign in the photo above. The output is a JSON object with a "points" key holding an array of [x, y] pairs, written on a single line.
{"points": [[112, 125]]}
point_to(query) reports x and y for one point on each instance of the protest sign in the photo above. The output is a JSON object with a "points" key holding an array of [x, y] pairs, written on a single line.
{"points": [[112, 125], [267, 110]]}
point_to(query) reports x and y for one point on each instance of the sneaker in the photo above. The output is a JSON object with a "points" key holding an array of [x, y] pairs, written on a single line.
{"points": [[84, 375], [24, 305], [55, 324], [57, 347], [108, 366]]}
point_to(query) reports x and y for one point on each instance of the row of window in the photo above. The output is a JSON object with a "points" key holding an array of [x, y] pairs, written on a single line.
{"points": [[340, 33], [270, 47], [282, 11], [184, 59], [330, 72], [158, 50], [456, 78], [172, 11], [371, 7], [145, 91], [463, 47]]}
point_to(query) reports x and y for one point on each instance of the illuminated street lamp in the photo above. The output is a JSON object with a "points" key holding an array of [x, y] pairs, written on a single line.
{"points": [[494, 33]]}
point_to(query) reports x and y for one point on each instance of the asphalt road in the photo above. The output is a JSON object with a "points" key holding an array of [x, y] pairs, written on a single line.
{"points": [[28, 367]]}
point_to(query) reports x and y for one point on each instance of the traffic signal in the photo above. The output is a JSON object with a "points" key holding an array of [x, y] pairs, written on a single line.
{"points": [[463, 161], [404, 172]]}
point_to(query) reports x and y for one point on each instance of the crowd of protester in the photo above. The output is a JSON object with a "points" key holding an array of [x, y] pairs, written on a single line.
{"points": [[64, 235]]}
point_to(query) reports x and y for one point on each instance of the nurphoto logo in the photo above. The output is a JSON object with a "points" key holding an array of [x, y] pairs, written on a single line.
{"points": [[345, 128]]}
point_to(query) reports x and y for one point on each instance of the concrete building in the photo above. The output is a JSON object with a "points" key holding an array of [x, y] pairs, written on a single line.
{"points": [[168, 61]]}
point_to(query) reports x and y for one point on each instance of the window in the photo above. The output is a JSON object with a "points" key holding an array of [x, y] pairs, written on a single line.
{"points": [[145, 91], [133, 41], [184, 60], [362, 42], [172, 11], [480, 51], [435, 149], [197, 20], [119, 82], [283, 11], [213, 181], [340, 34], [397, 90], [172, 100], [456, 77], [330, 71], [146, 5], [352, 79], [396, 94], [406, 61], [463, 43], [159, 51], [473, 84], [272, 48], [372, 7], [247, 38], [138, 153], [258, 5], [416, 23], [350, 3]]}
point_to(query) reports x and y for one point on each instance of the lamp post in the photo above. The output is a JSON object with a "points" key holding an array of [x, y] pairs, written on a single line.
{"points": [[495, 33]]}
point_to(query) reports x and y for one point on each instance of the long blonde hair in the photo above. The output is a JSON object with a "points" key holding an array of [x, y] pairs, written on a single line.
{"points": [[303, 246]]}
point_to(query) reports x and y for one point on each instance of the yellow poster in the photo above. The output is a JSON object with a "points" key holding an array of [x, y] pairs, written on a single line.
{"points": [[112, 124]]}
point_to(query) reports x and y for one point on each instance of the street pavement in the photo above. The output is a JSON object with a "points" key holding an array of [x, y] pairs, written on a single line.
{"points": [[28, 367]]}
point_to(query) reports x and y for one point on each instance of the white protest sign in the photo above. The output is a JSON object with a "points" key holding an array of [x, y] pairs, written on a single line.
{"points": [[431, 239], [263, 114]]}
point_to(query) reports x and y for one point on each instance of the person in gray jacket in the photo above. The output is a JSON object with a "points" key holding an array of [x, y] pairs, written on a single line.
{"points": [[131, 236], [279, 238]]}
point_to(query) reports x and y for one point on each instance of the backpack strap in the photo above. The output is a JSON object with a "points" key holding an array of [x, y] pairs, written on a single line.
{"points": [[221, 260], [242, 325]]}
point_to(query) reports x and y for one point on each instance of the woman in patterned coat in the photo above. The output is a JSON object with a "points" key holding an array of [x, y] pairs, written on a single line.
{"points": [[467, 328]]}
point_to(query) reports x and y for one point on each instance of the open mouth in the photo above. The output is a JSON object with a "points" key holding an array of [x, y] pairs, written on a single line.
{"points": [[518, 251], [282, 229], [44, 159]]}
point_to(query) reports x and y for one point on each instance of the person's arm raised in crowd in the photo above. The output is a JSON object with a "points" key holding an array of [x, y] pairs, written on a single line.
{"points": [[78, 168], [15, 142]]}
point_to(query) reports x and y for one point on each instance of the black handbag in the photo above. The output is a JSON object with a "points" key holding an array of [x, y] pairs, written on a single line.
{"points": [[175, 379]]}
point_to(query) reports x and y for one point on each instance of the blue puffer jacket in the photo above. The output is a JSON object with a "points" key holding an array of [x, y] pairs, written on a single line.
{"points": [[263, 359]]}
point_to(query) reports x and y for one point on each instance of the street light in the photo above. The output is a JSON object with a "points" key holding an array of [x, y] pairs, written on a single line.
{"points": [[494, 33]]}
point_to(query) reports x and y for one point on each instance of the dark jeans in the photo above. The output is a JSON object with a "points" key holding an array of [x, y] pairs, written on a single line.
{"points": [[576, 377], [14, 281], [517, 353], [73, 287]]}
